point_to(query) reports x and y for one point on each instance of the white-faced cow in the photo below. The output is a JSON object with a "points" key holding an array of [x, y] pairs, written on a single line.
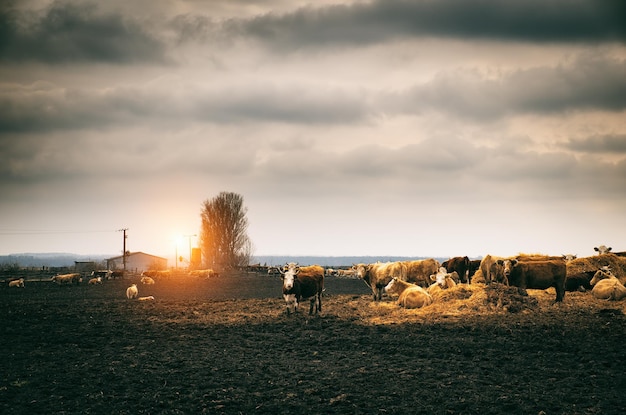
{"points": [[302, 283], [409, 295], [378, 275], [606, 286], [602, 249], [536, 275], [442, 280]]}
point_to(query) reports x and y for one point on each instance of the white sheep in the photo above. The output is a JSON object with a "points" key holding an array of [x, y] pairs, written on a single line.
{"points": [[17, 283], [132, 292], [95, 281]]}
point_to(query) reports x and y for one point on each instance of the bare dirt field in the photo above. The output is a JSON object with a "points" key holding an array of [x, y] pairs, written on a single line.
{"points": [[225, 345]]}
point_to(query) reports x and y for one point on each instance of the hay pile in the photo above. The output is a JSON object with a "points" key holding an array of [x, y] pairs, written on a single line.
{"points": [[593, 263], [482, 298]]}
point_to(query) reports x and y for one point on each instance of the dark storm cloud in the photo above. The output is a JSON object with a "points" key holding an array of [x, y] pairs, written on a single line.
{"points": [[45, 107], [608, 144], [377, 21], [588, 83], [74, 33]]}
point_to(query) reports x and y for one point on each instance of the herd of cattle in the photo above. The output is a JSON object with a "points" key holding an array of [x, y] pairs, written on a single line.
{"points": [[415, 282]]}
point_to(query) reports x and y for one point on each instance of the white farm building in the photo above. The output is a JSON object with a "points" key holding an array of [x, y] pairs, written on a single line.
{"points": [[137, 262]]}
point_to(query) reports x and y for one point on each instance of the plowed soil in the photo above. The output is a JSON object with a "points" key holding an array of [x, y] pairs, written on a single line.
{"points": [[225, 345]]}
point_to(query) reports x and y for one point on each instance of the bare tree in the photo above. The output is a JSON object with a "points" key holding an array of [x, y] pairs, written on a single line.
{"points": [[223, 236]]}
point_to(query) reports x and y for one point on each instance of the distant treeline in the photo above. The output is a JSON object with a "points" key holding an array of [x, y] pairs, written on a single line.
{"points": [[47, 259]]}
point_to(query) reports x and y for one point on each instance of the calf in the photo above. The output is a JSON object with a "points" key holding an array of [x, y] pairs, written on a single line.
{"points": [[579, 282], [95, 281]]}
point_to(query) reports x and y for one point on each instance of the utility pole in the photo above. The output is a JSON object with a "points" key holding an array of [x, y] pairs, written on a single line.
{"points": [[124, 248]]}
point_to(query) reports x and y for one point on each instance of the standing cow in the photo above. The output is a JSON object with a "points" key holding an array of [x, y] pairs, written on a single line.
{"points": [[378, 275], [460, 264], [419, 271], [536, 275], [303, 283]]}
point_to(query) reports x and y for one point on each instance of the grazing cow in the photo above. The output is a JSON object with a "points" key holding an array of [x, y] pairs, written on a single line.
{"points": [[132, 292], [378, 275], [105, 274], [602, 249], [537, 275], [606, 286], [95, 281], [409, 295], [17, 283], [491, 268], [147, 281], [303, 283], [419, 271], [67, 279], [579, 282], [442, 281], [460, 264]]}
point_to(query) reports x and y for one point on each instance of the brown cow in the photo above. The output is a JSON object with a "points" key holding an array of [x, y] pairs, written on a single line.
{"points": [[419, 271], [409, 295], [606, 286], [461, 265], [491, 268], [536, 275], [303, 283], [378, 275], [474, 265], [67, 279]]}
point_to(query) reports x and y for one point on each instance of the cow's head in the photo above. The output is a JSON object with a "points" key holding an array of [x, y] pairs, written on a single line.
{"points": [[360, 270], [288, 274], [440, 277], [507, 267], [602, 273], [602, 249], [569, 257], [392, 286]]}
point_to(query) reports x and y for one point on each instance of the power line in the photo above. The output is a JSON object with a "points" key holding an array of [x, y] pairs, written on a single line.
{"points": [[47, 232]]}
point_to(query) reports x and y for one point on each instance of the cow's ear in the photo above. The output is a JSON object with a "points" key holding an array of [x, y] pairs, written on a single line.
{"points": [[514, 262], [595, 248], [433, 277]]}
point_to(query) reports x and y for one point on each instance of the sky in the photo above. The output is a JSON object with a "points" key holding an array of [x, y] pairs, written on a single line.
{"points": [[385, 127]]}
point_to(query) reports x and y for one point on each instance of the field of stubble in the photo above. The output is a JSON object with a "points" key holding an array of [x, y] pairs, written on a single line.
{"points": [[225, 345]]}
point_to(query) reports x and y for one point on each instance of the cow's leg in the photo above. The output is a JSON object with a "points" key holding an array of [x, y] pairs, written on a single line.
{"points": [[319, 301], [311, 305], [560, 292]]}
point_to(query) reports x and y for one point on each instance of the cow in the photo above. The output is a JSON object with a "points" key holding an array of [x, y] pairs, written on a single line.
{"points": [[148, 298], [460, 264], [147, 281], [117, 275], [203, 273], [302, 283], [132, 292], [105, 274], [419, 271], [95, 281], [409, 295], [602, 249], [67, 279], [536, 275], [17, 283], [580, 281], [442, 280], [491, 268], [569, 257], [606, 286], [378, 275], [474, 265]]}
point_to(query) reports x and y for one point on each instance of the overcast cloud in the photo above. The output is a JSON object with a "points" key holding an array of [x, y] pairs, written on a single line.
{"points": [[419, 128]]}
